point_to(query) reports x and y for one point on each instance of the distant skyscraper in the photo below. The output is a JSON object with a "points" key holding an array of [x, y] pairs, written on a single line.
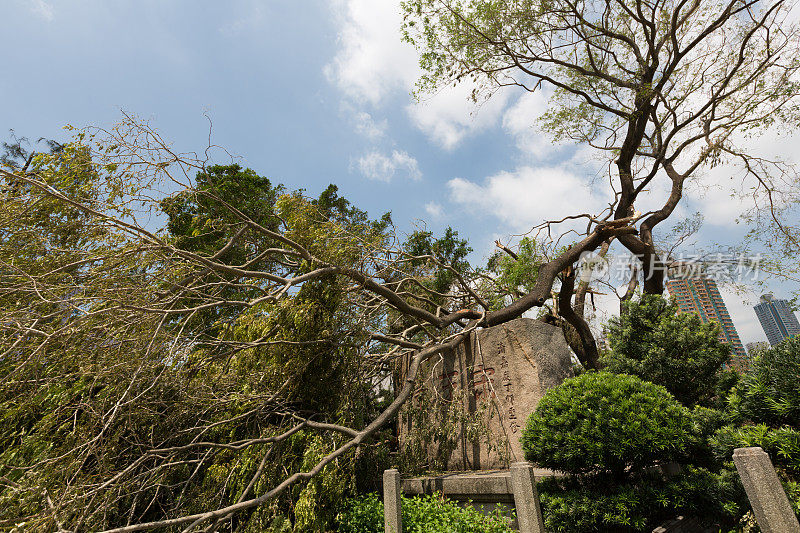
{"points": [[777, 319], [699, 295]]}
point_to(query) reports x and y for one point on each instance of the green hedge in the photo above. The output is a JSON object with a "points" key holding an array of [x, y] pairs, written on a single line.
{"points": [[425, 514]]}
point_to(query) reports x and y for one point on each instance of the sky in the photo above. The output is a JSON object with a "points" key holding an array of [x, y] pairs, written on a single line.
{"points": [[309, 93]]}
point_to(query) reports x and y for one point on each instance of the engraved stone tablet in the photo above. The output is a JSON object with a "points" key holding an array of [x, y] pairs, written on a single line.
{"points": [[495, 380]]}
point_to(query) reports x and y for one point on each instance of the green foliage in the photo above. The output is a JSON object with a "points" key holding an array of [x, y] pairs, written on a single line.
{"points": [[782, 444], [728, 379], [449, 250], [514, 277], [200, 219], [606, 423], [111, 382], [361, 515], [764, 408], [37, 230], [424, 514], [655, 342], [595, 502], [792, 489], [768, 392], [705, 423], [570, 505]]}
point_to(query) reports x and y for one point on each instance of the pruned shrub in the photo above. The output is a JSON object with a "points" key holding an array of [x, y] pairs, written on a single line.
{"points": [[606, 423]]}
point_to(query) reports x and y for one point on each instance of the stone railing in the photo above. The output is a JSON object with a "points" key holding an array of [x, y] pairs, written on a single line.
{"points": [[767, 498], [516, 486]]}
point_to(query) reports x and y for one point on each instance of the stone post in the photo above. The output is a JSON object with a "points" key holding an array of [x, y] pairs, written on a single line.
{"points": [[392, 520], [526, 498], [764, 490]]}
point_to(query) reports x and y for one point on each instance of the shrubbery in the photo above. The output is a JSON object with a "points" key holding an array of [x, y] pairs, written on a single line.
{"points": [[764, 411], [581, 505], [608, 432], [426, 514], [705, 423], [782, 444], [606, 423], [605, 429], [768, 392]]}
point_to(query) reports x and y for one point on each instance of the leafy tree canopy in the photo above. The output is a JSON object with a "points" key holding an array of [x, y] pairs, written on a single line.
{"points": [[651, 339], [94, 375]]}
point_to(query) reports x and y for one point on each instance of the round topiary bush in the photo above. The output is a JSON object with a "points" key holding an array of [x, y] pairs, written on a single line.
{"points": [[606, 423]]}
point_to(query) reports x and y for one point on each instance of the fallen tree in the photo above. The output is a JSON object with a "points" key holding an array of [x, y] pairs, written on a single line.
{"points": [[161, 378]]}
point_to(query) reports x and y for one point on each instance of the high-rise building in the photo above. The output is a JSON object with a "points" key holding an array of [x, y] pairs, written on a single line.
{"points": [[699, 295], [777, 318]]}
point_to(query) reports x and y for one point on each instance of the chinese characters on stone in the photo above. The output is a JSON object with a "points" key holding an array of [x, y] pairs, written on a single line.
{"points": [[482, 380]]}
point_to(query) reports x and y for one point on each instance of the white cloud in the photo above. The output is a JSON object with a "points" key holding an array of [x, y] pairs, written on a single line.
{"points": [[519, 121], [372, 61], [449, 116], [372, 64], [379, 167], [366, 125], [527, 196], [434, 209], [43, 9]]}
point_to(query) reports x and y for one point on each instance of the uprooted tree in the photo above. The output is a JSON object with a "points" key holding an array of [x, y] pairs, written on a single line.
{"points": [[191, 377]]}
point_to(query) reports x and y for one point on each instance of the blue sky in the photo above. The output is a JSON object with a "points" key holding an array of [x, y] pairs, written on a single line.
{"points": [[310, 93]]}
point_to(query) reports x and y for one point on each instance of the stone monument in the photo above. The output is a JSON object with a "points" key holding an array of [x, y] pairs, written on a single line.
{"points": [[485, 389]]}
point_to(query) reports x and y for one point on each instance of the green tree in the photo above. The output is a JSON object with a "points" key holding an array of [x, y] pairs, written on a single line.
{"points": [[651, 339], [516, 272], [233, 355], [661, 91], [449, 253], [201, 219], [764, 410], [138, 357]]}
